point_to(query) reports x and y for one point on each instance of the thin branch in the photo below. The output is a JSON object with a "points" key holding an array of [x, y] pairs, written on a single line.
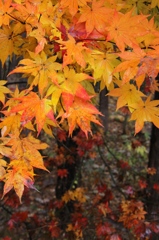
{"points": [[110, 172]]}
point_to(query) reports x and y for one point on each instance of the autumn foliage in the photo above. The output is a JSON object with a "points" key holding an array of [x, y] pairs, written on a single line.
{"points": [[65, 48]]}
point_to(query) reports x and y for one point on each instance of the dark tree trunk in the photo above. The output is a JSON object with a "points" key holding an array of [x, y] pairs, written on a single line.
{"points": [[153, 195], [71, 182], [103, 108]]}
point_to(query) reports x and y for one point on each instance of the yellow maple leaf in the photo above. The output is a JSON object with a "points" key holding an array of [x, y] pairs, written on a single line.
{"points": [[3, 165], [103, 68], [10, 124], [145, 111], [71, 80], [128, 95], [39, 34], [6, 43], [154, 3], [4, 150], [40, 67], [3, 90]]}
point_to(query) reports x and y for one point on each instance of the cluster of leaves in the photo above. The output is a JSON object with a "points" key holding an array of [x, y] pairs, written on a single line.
{"points": [[66, 48]]}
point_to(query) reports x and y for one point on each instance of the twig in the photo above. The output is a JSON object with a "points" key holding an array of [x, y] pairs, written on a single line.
{"points": [[110, 172]]}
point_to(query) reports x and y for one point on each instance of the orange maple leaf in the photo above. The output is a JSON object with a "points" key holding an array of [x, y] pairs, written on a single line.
{"points": [[24, 157], [68, 98], [6, 10], [131, 64], [124, 29], [81, 114], [73, 5], [26, 151], [17, 177], [145, 111], [73, 52], [32, 106], [77, 194], [132, 212], [148, 66], [95, 16]]}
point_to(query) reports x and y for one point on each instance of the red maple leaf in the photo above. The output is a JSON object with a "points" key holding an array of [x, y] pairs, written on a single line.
{"points": [[62, 173], [54, 229]]}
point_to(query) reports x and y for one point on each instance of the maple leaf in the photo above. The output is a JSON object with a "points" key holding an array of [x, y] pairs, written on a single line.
{"points": [[41, 68], [151, 171], [11, 124], [6, 10], [3, 165], [27, 14], [14, 179], [81, 113], [142, 183], [71, 80], [152, 32], [104, 65], [61, 135], [26, 150], [133, 211], [77, 194], [128, 95], [124, 28], [145, 111], [154, 3], [103, 229], [73, 5], [73, 52], [3, 90], [5, 151], [54, 229], [95, 16], [131, 65], [40, 109], [62, 173], [148, 65], [39, 34], [6, 43], [68, 86], [25, 156]]}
